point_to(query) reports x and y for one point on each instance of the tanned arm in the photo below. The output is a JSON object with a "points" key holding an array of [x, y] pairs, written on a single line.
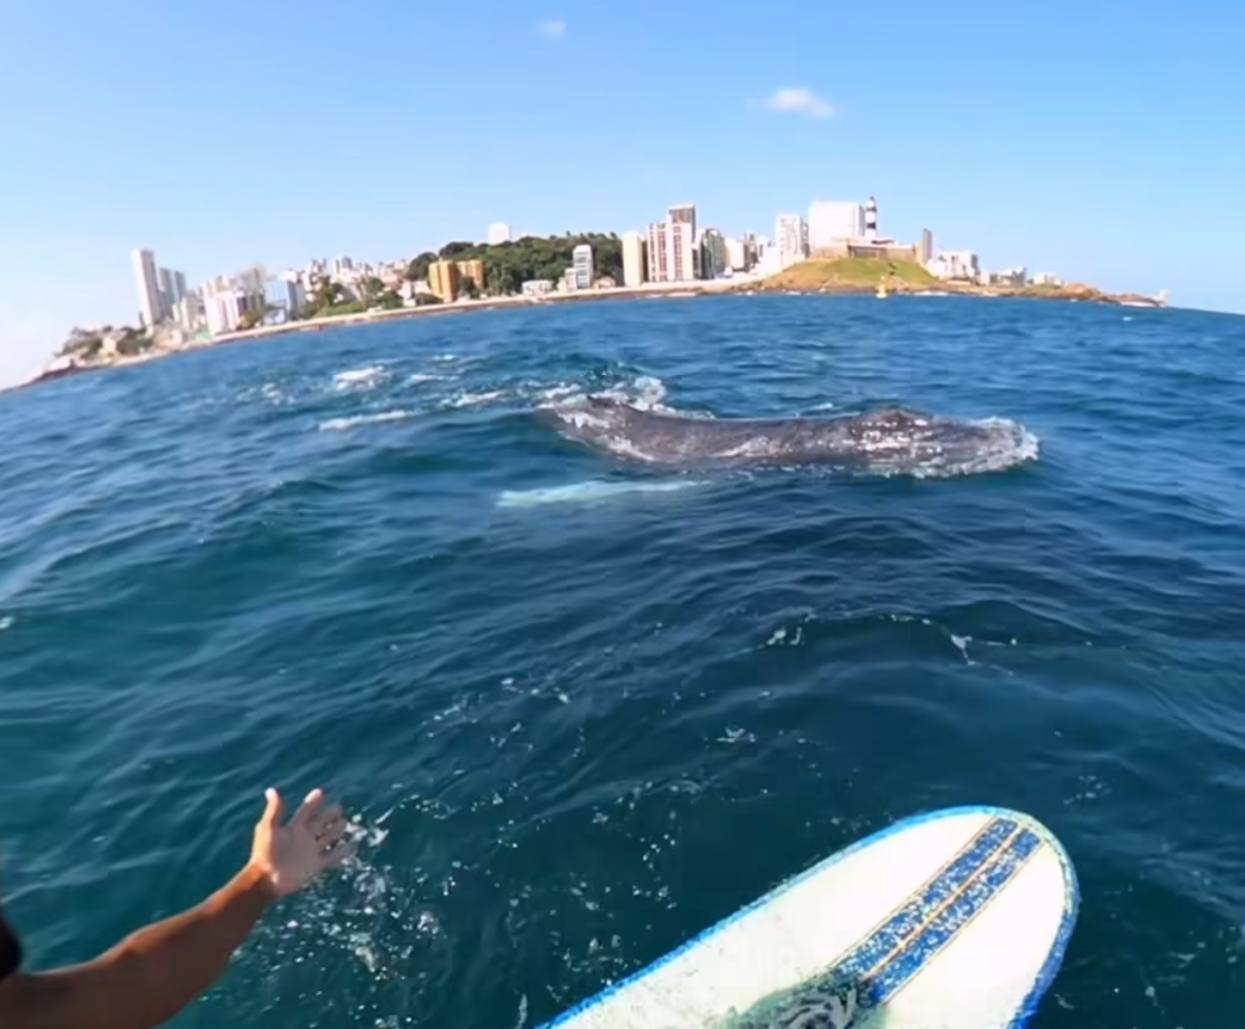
{"points": [[150, 976]]}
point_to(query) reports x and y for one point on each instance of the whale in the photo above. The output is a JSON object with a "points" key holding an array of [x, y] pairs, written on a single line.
{"points": [[892, 440]]}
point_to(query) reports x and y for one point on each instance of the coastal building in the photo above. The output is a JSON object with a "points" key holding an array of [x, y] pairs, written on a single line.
{"points": [[284, 299], [581, 262], [1047, 279], [536, 287], [736, 254], [472, 269], [341, 265], [188, 312], [926, 248], [499, 232], [955, 264], [443, 279], [147, 286], [713, 260], [832, 223], [164, 284], [790, 239], [1015, 277], [568, 283], [658, 252], [633, 258], [681, 239], [871, 220]]}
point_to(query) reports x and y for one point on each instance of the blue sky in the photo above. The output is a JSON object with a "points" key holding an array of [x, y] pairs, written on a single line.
{"points": [[1102, 141]]}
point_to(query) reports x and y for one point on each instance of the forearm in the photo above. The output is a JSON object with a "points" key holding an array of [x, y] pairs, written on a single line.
{"points": [[151, 975]]}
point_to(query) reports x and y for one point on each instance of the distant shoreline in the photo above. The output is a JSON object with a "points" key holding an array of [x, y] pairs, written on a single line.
{"points": [[775, 284]]}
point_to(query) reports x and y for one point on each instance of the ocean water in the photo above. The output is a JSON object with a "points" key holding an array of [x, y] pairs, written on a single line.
{"points": [[582, 710]]}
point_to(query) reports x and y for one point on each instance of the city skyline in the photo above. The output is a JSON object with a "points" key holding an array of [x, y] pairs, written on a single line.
{"points": [[1098, 154]]}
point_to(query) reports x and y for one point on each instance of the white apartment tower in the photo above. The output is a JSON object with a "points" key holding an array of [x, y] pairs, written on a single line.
{"points": [[834, 222], [790, 239], [147, 286], [581, 262], [633, 258], [658, 252]]}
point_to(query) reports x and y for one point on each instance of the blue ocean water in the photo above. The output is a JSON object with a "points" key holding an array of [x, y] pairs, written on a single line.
{"points": [[582, 710]]}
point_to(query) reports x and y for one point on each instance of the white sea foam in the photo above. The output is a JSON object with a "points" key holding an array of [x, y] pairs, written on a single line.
{"points": [[466, 399], [6, 622], [590, 492], [360, 378], [421, 377], [353, 422]]}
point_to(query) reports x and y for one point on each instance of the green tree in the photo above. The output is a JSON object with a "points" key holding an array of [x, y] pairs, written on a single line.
{"points": [[389, 300], [326, 294], [418, 268], [250, 319], [424, 299]]}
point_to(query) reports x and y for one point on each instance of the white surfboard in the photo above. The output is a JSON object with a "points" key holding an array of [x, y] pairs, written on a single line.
{"points": [[952, 920]]}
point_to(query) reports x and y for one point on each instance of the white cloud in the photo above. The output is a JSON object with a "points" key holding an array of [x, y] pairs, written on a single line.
{"points": [[551, 28], [799, 100]]}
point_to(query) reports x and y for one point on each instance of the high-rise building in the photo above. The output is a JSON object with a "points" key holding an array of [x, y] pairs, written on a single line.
{"points": [[713, 259], [147, 286], [581, 261], [443, 279], [737, 254], [179, 287], [499, 232], [658, 252], [926, 250], [164, 283], [681, 240], [633, 258], [341, 265], [790, 239], [284, 298], [834, 222]]}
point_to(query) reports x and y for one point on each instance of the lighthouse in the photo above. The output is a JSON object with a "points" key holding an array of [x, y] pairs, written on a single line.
{"points": [[871, 220]]}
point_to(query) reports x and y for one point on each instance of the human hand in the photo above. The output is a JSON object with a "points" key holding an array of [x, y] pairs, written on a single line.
{"points": [[288, 857]]}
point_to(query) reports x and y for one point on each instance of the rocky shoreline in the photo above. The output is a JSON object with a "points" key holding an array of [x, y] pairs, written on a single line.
{"points": [[800, 280]]}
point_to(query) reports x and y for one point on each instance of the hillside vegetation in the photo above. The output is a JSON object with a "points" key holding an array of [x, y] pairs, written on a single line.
{"points": [[851, 273]]}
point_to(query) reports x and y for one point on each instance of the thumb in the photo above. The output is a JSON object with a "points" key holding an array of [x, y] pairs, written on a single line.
{"points": [[272, 810]]}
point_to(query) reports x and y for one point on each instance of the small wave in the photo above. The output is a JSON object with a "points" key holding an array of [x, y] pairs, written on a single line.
{"points": [[357, 378], [592, 491], [353, 422], [644, 392], [419, 378], [6, 622], [474, 399]]}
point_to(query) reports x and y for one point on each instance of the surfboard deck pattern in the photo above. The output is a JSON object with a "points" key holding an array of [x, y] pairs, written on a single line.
{"points": [[956, 919]]}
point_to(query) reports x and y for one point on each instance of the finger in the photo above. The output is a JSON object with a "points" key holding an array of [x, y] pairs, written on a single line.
{"points": [[338, 855], [324, 818], [331, 833], [272, 808], [302, 818]]}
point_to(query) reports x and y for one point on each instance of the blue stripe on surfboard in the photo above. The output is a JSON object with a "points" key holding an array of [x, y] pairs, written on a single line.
{"points": [[978, 892], [1049, 970], [916, 911]]}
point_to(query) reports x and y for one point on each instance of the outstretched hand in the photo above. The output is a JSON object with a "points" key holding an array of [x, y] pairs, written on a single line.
{"points": [[289, 856]]}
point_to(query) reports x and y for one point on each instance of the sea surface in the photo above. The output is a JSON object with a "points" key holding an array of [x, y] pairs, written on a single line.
{"points": [[580, 709]]}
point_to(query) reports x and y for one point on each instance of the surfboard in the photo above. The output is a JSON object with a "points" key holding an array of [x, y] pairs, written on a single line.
{"points": [[957, 919]]}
